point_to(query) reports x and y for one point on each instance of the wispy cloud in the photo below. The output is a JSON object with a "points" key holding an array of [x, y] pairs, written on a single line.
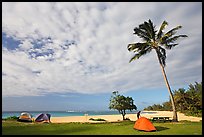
{"points": [[82, 47]]}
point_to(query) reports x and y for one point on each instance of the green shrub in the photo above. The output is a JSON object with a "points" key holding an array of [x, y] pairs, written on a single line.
{"points": [[11, 118], [91, 119], [126, 119], [97, 119]]}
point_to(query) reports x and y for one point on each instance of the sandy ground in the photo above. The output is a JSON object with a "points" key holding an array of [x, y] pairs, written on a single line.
{"points": [[115, 118]]}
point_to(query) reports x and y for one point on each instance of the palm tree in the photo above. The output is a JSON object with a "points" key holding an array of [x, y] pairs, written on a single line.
{"points": [[181, 99], [158, 42]]}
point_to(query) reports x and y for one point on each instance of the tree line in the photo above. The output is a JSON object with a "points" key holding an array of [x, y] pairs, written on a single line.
{"points": [[187, 101]]}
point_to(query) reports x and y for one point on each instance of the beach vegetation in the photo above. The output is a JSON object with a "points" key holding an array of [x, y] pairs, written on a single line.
{"points": [[158, 41], [97, 119], [11, 118], [121, 103], [187, 101]]}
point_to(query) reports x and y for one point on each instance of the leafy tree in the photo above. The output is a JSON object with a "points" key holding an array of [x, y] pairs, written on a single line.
{"points": [[181, 99], [195, 98], [157, 107], [149, 108], [167, 106], [158, 42], [121, 103]]}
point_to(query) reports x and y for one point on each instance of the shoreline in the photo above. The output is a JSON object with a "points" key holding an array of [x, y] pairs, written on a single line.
{"points": [[118, 117]]}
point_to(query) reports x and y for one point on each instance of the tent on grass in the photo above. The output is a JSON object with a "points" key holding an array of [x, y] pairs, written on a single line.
{"points": [[144, 124], [43, 118], [25, 117]]}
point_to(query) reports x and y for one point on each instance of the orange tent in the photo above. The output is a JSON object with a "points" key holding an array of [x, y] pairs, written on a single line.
{"points": [[144, 124]]}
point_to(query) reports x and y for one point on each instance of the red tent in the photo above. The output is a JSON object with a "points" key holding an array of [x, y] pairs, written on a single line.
{"points": [[144, 124]]}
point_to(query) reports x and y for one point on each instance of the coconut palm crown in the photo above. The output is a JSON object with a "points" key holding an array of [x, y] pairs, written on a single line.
{"points": [[158, 41]]}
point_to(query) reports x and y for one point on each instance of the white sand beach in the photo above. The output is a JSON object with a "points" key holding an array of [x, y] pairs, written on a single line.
{"points": [[118, 117]]}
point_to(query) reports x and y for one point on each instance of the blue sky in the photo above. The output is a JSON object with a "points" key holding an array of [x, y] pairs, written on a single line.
{"points": [[73, 55]]}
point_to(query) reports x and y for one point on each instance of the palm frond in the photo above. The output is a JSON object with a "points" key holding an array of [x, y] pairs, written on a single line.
{"points": [[173, 39], [141, 53], [169, 46], [162, 27], [152, 28], [161, 53], [142, 34], [149, 29], [172, 31], [136, 46], [162, 56], [146, 28], [169, 42], [136, 56]]}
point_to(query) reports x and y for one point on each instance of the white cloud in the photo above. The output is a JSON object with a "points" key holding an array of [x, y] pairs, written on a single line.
{"points": [[87, 50]]}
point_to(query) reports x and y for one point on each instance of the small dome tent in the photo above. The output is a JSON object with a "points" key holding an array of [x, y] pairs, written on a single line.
{"points": [[43, 118], [25, 117], [144, 124]]}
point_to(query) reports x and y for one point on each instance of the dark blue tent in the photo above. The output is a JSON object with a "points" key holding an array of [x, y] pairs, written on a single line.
{"points": [[43, 118]]}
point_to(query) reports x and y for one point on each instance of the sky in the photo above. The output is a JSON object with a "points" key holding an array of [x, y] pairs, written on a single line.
{"points": [[73, 55]]}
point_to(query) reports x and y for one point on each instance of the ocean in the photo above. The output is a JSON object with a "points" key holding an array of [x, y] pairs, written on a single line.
{"points": [[6, 114]]}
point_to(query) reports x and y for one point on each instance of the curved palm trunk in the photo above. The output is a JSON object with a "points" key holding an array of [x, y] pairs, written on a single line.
{"points": [[175, 118]]}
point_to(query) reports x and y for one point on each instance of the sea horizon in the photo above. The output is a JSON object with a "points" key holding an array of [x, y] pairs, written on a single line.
{"points": [[65, 113]]}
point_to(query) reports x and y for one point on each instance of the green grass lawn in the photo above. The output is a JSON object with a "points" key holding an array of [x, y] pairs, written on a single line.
{"points": [[12, 127]]}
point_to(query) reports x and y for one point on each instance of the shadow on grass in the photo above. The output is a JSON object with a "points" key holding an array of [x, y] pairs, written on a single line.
{"points": [[161, 128]]}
